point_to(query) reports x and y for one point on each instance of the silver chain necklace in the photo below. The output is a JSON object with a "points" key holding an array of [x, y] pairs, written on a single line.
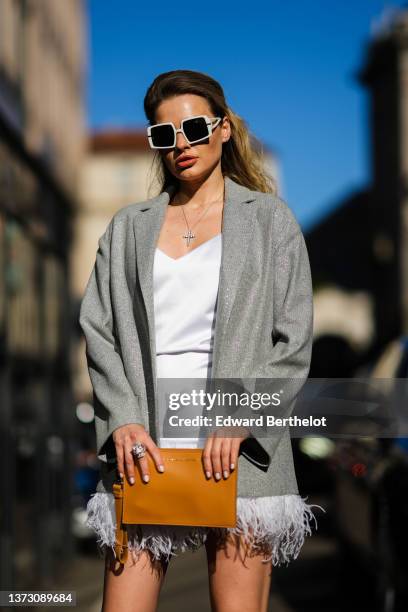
{"points": [[189, 236]]}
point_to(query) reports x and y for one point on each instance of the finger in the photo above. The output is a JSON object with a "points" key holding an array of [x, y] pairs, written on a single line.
{"points": [[225, 456], [236, 442], [143, 467], [216, 457], [141, 464], [129, 461], [155, 453], [206, 457], [120, 459]]}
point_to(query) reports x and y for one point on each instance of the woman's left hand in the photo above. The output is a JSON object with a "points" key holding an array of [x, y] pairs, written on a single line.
{"points": [[220, 453]]}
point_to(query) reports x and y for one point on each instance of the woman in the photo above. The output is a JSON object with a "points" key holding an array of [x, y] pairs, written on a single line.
{"points": [[215, 246]]}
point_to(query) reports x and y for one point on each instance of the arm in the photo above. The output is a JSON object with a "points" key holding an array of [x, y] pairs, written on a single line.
{"points": [[292, 336], [114, 400]]}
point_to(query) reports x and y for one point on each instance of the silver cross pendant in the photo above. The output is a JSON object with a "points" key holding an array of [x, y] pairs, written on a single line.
{"points": [[189, 236]]}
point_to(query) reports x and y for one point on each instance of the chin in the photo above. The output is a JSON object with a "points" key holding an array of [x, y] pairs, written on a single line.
{"points": [[188, 173]]}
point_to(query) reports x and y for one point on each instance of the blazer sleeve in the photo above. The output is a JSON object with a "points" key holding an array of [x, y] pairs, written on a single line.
{"points": [[115, 403], [292, 335]]}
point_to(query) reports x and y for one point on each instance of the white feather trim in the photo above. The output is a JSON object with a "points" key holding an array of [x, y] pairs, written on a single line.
{"points": [[275, 526]]}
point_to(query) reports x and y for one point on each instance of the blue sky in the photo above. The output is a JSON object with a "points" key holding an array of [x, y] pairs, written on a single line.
{"points": [[288, 68]]}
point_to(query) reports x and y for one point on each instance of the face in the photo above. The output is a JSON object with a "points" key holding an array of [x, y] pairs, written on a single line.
{"points": [[206, 153]]}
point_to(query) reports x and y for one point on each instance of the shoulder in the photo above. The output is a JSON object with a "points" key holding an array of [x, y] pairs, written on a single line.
{"points": [[129, 211], [126, 214], [281, 218]]}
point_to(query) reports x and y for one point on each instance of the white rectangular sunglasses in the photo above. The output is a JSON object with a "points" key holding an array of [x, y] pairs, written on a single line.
{"points": [[194, 129]]}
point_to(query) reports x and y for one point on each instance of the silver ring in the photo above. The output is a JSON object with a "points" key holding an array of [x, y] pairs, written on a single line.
{"points": [[138, 450]]}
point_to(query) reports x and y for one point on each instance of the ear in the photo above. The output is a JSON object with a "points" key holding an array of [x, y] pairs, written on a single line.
{"points": [[226, 129]]}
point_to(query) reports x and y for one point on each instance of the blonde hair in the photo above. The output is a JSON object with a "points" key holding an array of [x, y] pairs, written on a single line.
{"points": [[242, 156]]}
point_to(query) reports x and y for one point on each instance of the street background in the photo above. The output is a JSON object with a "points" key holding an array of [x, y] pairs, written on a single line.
{"points": [[324, 91]]}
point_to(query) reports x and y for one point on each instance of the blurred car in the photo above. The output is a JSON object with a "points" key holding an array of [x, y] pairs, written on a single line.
{"points": [[371, 495]]}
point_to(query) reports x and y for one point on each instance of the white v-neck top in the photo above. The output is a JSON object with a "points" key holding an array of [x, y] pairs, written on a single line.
{"points": [[185, 295], [185, 302]]}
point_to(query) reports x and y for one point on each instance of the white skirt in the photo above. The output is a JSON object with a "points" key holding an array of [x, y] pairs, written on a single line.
{"points": [[273, 526]]}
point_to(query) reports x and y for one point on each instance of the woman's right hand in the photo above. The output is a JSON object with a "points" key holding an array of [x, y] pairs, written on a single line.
{"points": [[125, 438]]}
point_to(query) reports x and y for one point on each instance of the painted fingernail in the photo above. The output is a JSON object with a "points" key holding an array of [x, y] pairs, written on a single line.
{"points": [[225, 473], [120, 474], [146, 478], [217, 475], [232, 466], [161, 468], [208, 474], [132, 480]]}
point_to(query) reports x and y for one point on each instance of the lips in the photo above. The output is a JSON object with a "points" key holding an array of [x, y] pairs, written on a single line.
{"points": [[186, 161]]}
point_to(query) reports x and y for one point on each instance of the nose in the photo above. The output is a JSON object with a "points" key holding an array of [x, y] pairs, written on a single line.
{"points": [[181, 142]]}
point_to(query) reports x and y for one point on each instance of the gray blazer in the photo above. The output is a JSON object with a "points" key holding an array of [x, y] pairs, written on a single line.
{"points": [[263, 326]]}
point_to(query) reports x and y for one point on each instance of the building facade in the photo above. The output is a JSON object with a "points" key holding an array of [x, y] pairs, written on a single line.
{"points": [[42, 74], [359, 252]]}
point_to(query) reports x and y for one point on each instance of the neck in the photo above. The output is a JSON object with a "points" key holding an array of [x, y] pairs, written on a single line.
{"points": [[196, 194]]}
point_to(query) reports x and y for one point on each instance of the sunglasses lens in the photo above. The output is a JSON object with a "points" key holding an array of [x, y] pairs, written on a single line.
{"points": [[196, 129], [162, 136]]}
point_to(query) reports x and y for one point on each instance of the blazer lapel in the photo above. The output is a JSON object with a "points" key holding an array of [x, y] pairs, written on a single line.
{"points": [[237, 229]]}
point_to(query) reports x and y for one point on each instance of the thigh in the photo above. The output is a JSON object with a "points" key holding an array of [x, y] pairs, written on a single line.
{"points": [[238, 578], [135, 585]]}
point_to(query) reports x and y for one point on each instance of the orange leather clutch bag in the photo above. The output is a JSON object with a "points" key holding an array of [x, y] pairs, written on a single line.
{"points": [[181, 495]]}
